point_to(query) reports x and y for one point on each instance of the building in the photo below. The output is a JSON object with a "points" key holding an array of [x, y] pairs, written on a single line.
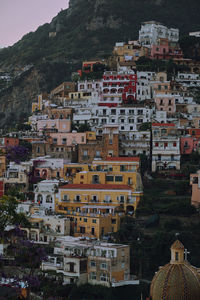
{"points": [[189, 144], [178, 279], [107, 145], [114, 182], [165, 147], [85, 261], [2, 165], [166, 50], [151, 31], [118, 88], [195, 183], [46, 228], [18, 175], [48, 168], [45, 193], [133, 143], [8, 142]]}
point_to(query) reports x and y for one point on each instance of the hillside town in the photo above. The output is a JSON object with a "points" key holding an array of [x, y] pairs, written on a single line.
{"points": [[78, 166]]}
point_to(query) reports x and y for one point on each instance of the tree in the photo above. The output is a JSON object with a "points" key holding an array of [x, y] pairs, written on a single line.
{"points": [[17, 153], [9, 215]]}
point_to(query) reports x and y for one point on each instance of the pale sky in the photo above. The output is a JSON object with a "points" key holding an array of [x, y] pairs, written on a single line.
{"points": [[18, 17]]}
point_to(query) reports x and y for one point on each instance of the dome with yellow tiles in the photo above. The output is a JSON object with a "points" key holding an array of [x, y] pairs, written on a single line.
{"points": [[177, 280]]}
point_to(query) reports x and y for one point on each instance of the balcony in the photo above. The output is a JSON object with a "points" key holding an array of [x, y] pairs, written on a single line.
{"points": [[77, 200], [65, 200]]}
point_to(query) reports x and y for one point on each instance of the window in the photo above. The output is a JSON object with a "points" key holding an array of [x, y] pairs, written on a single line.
{"points": [[121, 199], [165, 145], [156, 144], [82, 139], [94, 221], [85, 152], [122, 120], [174, 144], [103, 266], [49, 199], [113, 221], [118, 178], [54, 141], [98, 154], [93, 276], [103, 277], [64, 141], [131, 120], [176, 256], [85, 220], [109, 178], [159, 157], [93, 263]]}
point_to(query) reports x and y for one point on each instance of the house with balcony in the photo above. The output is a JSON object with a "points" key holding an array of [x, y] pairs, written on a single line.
{"points": [[114, 181], [132, 143], [45, 193], [152, 31], [18, 175], [46, 228], [165, 147], [82, 261]]}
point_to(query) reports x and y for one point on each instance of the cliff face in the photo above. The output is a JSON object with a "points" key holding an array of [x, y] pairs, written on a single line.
{"points": [[88, 29]]}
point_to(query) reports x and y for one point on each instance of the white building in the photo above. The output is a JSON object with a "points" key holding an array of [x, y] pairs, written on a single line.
{"points": [[144, 85], [151, 31], [127, 118], [195, 33], [17, 174], [84, 260], [165, 147], [188, 79], [45, 193], [133, 143], [46, 228]]}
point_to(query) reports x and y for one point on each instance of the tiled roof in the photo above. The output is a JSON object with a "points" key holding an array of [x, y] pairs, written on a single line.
{"points": [[122, 159], [96, 186]]}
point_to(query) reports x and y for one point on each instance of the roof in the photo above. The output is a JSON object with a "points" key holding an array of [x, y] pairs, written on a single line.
{"points": [[163, 124], [96, 187], [177, 245], [122, 159]]}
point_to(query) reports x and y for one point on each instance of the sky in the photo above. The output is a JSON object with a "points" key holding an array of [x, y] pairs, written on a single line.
{"points": [[18, 17]]}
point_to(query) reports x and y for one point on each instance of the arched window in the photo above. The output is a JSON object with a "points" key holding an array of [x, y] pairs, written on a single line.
{"points": [[39, 198], [49, 199]]}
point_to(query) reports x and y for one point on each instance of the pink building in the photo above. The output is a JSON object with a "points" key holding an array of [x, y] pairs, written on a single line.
{"points": [[166, 50], [195, 183], [165, 103], [60, 125], [68, 139], [9, 142], [189, 144]]}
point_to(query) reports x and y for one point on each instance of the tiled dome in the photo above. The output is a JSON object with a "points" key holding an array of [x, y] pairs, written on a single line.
{"points": [[177, 280]]}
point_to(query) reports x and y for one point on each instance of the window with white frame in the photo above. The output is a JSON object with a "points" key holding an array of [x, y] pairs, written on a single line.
{"points": [[103, 277], [103, 266], [93, 276]]}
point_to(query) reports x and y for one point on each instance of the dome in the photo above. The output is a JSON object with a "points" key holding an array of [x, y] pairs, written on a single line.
{"points": [[177, 280]]}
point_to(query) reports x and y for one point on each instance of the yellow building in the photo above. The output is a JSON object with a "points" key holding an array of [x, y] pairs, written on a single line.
{"points": [[97, 193], [2, 165], [94, 222]]}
